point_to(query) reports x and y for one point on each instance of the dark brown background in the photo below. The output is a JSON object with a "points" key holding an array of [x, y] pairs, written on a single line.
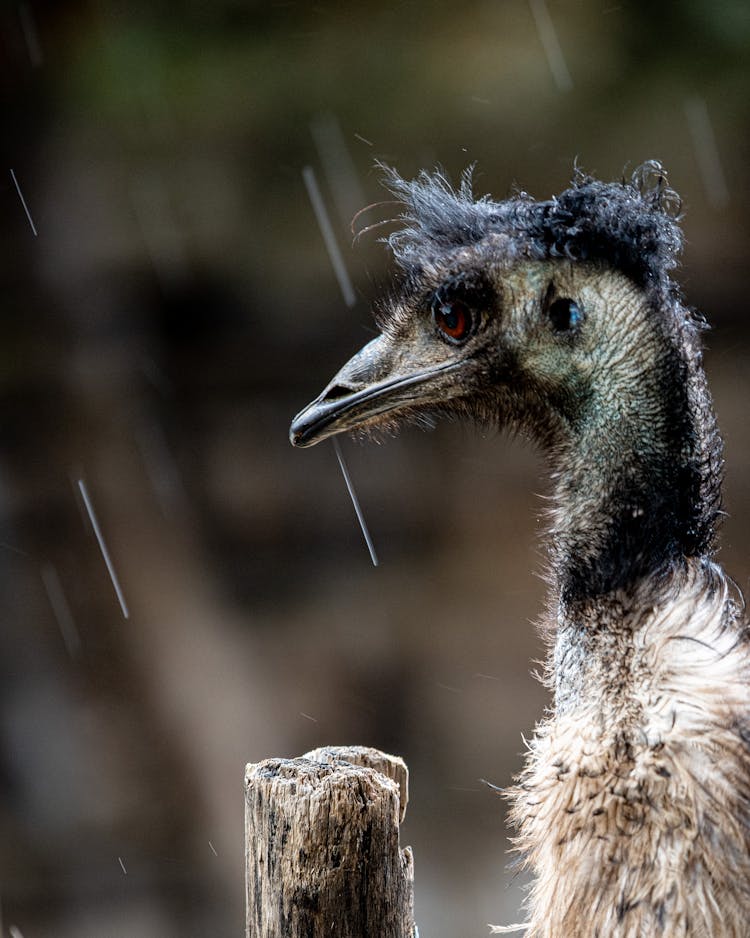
{"points": [[175, 310]]}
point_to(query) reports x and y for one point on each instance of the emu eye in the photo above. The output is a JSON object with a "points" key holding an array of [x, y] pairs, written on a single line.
{"points": [[564, 314], [453, 319]]}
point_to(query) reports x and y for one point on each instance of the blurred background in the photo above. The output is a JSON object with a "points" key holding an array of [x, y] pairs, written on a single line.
{"points": [[169, 303]]}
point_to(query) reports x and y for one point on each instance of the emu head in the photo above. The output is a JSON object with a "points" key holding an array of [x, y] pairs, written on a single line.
{"points": [[558, 318], [506, 311]]}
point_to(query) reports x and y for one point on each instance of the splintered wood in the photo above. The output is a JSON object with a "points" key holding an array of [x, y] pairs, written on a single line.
{"points": [[322, 849]]}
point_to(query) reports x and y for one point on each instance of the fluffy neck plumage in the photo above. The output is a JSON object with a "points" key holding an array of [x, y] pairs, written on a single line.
{"points": [[633, 808]]}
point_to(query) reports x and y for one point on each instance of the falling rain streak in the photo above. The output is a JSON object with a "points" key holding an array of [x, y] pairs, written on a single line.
{"points": [[23, 202], [103, 547], [338, 166], [355, 502], [160, 467], [122, 865], [706, 152], [30, 35], [324, 223], [551, 45], [164, 243], [61, 609]]}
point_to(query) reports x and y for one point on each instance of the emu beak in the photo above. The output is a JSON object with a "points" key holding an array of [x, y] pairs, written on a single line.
{"points": [[378, 379]]}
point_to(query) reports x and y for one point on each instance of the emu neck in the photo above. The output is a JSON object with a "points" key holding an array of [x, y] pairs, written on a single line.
{"points": [[637, 478]]}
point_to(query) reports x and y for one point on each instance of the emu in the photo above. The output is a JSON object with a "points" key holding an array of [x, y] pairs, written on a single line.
{"points": [[561, 319]]}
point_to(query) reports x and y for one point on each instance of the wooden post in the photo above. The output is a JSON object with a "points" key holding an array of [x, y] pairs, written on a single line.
{"points": [[321, 846]]}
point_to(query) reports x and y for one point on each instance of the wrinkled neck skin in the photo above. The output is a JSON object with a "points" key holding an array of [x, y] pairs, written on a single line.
{"points": [[637, 489]]}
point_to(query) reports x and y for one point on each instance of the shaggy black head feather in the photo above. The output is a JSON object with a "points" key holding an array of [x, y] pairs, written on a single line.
{"points": [[631, 225]]}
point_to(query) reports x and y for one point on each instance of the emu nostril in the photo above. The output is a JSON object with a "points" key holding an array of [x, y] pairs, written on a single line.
{"points": [[337, 391]]}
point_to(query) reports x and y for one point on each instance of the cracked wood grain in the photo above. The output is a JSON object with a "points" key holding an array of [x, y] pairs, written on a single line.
{"points": [[322, 846]]}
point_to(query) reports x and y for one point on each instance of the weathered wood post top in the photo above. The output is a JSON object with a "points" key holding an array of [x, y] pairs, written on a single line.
{"points": [[322, 846]]}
